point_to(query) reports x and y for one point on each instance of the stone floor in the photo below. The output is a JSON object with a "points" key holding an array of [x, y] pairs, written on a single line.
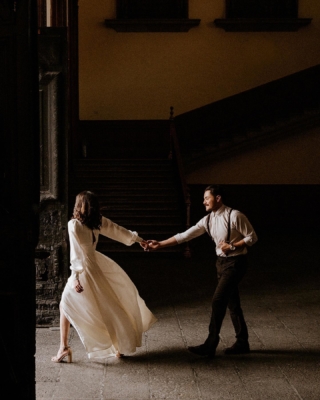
{"points": [[281, 303]]}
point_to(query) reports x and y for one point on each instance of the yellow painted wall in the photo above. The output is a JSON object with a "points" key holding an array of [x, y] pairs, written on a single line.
{"points": [[140, 75], [294, 160]]}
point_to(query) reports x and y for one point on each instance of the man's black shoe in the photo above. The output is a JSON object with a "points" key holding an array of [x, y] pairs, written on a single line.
{"points": [[202, 350], [238, 348]]}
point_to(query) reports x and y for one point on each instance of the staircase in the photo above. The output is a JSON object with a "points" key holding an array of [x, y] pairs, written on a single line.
{"points": [[210, 150], [287, 106], [140, 194]]}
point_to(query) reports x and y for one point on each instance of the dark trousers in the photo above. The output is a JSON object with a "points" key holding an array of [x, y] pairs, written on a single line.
{"points": [[230, 271]]}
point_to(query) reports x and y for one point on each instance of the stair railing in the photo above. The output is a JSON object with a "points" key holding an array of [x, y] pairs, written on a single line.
{"points": [[174, 154]]}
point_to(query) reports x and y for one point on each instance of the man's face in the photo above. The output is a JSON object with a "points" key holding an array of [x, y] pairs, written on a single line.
{"points": [[211, 203]]}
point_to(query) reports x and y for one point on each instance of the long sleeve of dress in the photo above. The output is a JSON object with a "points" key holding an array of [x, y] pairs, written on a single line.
{"points": [[77, 254], [118, 233]]}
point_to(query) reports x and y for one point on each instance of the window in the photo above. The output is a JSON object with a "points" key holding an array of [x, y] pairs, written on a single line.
{"points": [[136, 9], [262, 9], [261, 15], [152, 16]]}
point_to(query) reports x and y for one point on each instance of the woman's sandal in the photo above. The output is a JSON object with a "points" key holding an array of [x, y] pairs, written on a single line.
{"points": [[119, 355], [67, 352]]}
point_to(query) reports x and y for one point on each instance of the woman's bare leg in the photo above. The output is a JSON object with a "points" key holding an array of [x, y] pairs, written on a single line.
{"points": [[64, 335], [64, 330]]}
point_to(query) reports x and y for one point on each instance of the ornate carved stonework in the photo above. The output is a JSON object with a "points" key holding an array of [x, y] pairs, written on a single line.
{"points": [[51, 259]]}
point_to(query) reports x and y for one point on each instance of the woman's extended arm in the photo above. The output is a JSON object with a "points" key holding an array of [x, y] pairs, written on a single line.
{"points": [[118, 233]]}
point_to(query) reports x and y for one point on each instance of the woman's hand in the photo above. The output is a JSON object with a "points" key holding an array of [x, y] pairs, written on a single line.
{"points": [[144, 245], [77, 286], [148, 245], [155, 245]]}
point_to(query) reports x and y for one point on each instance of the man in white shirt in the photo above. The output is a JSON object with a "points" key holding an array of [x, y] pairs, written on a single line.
{"points": [[232, 233]]}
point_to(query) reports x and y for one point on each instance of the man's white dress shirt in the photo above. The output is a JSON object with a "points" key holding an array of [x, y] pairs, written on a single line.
{"points": [[240, 228]]}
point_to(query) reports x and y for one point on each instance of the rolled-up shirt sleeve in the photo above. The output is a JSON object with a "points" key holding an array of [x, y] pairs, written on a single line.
{"points": [[191, 233], [243, 226], [119, 233]]}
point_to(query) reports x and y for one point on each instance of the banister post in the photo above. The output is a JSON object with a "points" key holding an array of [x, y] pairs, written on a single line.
{"points": [[174, 147], [187, 251], [171, 133]]}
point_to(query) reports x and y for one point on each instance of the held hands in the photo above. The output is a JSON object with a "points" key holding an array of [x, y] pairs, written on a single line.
{"points": [[77, 286], [144, 245], [150, 245], [153, 245]]}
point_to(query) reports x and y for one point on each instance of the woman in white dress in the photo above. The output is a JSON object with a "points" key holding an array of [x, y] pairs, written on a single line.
{"points": [[100, 300]]}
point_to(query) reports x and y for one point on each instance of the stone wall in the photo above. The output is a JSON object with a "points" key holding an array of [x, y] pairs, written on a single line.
{"points": [[51, 262]]}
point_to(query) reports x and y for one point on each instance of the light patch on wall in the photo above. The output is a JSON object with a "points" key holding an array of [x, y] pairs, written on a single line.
{"points": [[293, 160]]}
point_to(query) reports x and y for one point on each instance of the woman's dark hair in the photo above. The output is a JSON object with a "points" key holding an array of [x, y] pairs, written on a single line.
{"points": [[87, 210]]}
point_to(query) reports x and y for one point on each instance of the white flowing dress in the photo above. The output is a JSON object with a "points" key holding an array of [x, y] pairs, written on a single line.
{"points": [[109, 315]]}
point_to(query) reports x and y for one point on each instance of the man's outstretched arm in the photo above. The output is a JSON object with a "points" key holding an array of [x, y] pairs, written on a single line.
{"points": [[189, 234], [155, 245]]}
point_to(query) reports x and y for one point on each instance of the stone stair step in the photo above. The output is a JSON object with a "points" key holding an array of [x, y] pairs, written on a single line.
{"points": [[152, 229], [146, 192], [152, 207], [140, 195], [165, 212], [133, 185], [122, 172], [145, 219], [124, 161], [136, 202], [139, 200], [143, 199], [122, 167], [104, 180]]}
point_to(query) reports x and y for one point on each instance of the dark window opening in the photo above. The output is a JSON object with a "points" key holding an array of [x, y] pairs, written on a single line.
{"points": [[156, 9], [262, 9]]}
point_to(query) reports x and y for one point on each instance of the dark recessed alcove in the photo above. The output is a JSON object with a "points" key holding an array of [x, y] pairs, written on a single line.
{"points": [[262, 15], [157, 9], [152, 16], [262, 9]]}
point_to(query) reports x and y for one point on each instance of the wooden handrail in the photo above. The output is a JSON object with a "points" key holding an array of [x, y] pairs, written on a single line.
{"points": [[248, 111], [175, 154]]}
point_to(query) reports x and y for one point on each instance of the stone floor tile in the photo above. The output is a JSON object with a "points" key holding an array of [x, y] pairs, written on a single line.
{"points": [[283, 317], [169, 382], [44, 390], [125, 380]]}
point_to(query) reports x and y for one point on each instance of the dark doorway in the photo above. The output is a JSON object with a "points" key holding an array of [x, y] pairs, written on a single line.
{"points": [[19, 194]]}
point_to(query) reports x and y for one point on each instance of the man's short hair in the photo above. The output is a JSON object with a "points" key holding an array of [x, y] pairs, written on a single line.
{"points": [[215, 190]]}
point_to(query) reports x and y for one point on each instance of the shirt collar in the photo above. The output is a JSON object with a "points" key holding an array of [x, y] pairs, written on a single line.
{"points": [[219, 211]]}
